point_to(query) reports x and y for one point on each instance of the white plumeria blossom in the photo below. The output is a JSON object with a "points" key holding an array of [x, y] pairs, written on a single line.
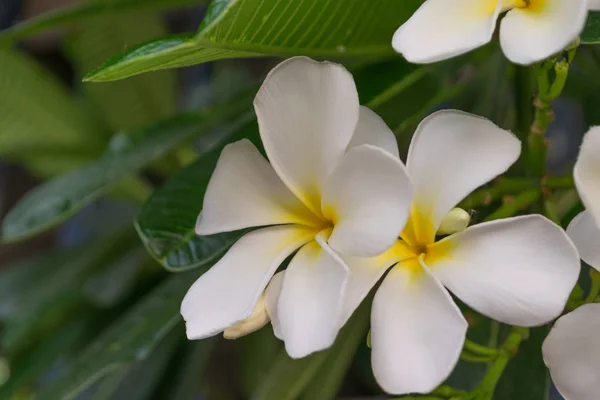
{"points": [[572, 350], [531, 30], [330, 189], [519, 271]]}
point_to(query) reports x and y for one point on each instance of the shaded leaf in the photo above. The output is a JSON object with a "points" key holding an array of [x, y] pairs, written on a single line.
{"points": [[251, 28], [82, 11], [591, 32], [131, 339]]}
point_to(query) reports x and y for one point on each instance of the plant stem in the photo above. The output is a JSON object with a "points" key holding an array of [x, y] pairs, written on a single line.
{"points": [[479, 349], [512, 205]]}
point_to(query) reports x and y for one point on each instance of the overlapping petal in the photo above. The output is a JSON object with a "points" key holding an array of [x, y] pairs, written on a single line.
{"points": [[531, 34], [585, 234], [272, 301], [371, 129], [310, 303], [451, 154], [307, 113], [227, 293], [368, 198], [244, 191], [417, 332], [594, 5], [572, 353], [587, 173], [519, 271], [442, 29]]}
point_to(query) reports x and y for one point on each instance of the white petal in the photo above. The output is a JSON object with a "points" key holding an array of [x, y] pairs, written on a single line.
{"points": [[585, 234], [310, 304], [366, 272], [451, 154], [442, 29], [594, 4], [587, 173], [272, 300], [519, 271], [371, 129], [528, 35], [307, 112], [417, 332], [244, 191], [227, 293], [368, 198], [572, 353]]}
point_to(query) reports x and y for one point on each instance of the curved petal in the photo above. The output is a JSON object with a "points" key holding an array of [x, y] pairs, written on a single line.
{"points": [[310, 303], [531, 34], [265, 200], [366, 272], [417, 332], [227, 293], [442, 29], [451, 154], [368, 199], [307, 112], [371, 129], [587, 173], [519, 271], [272, 300], [594, 5], [572, 353], [585, 234]]}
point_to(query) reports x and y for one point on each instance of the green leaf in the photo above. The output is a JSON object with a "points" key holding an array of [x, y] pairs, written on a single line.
{"points": [[54, 201], [196, 358], [251, 28], [289, 379], [131, 339], [82, 11], [131, 103], [591, 32], [38, 114], [166, 221], [526, 376]]}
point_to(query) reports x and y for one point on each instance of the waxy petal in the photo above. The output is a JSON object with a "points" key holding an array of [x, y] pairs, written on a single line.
{"points": [[310, 303], [417, 332], [442, 29], [307, 113], [368, 198], [519, 271], [594, 5], [585, 234], [244, 191], [572, 353], [451, 154], [227, 293], [272, 301], [587, 173], [531, 34], [371, 129]]}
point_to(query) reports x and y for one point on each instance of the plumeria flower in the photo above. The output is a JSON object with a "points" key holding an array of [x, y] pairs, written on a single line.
{"points": [[518, 271], [531, 30], [572, 350], [329, 189]]}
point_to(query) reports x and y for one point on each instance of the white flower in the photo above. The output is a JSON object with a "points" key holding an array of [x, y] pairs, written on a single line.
{"points": [[572, 349], [330, 187], [531, 31], [519, 271]]}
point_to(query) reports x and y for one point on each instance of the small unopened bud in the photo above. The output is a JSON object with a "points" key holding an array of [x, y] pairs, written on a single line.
{"points": [[257, 320], [455, 221]]}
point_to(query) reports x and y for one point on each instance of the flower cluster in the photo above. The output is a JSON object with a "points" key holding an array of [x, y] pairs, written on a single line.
{"points": [[336, 201]]}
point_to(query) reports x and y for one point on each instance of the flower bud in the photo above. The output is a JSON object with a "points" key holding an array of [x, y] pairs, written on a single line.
{"points": [[257, 320], [455, 221]]}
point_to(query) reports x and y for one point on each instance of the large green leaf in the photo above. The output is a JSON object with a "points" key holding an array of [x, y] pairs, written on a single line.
{"points": [[166, 221], [251, 28], [37, 114], [591, 32], [131, 339], [82, 11], [130, 103], [58, 199]]}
